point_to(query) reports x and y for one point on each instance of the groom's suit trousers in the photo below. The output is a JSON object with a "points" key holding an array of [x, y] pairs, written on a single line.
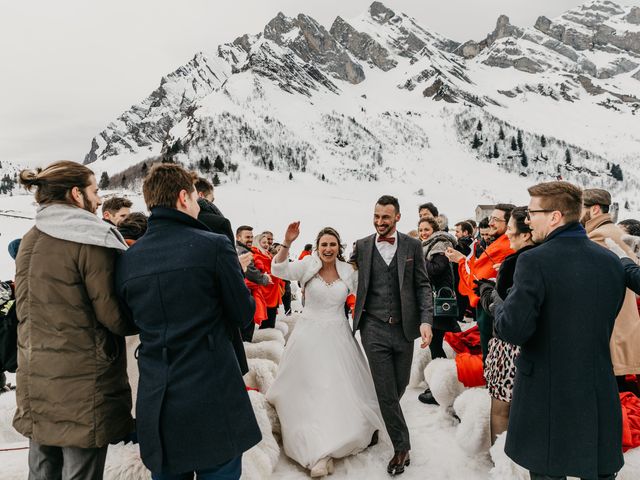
{"points": [[390, 355]]}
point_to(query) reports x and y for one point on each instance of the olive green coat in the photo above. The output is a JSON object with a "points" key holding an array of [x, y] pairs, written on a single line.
{"points": [[72, 386]]}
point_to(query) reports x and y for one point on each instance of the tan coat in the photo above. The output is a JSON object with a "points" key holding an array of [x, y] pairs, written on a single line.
{"points": [[625, 340], [72, 387]]}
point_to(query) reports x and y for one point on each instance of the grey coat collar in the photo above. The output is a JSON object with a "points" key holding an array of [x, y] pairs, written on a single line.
{"points": [[74, 224]]}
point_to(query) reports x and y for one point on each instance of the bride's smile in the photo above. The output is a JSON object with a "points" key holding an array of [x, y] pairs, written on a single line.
{"points": [[328, 248]]}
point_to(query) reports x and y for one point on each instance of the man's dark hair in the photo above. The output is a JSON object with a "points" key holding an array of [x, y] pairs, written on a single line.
{"points": [[389, 200], [203, 186], [465, 227], [133, 226], [243, 228], [163, 184], [308, 247], [113, 204], [484, 223], [632, 226], [507, 208], [431, 207], [519, 214], [472, 222]]}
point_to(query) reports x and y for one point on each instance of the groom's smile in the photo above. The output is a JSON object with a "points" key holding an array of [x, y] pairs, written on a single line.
{"points": [[385, 218]]}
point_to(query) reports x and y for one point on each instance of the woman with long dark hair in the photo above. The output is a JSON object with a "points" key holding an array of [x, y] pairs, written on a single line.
{"points": [[499, 366], [324, 392], [434, 243]]}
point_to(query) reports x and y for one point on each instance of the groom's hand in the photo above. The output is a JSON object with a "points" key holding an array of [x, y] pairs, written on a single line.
{"points": [[426, 334]]}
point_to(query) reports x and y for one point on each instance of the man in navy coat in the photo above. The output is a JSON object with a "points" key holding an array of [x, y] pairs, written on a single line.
{"points": [[181, 282], [565, 417]]}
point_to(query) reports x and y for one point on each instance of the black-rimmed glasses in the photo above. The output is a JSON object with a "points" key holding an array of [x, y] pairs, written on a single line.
{"points": [[542, 210]]}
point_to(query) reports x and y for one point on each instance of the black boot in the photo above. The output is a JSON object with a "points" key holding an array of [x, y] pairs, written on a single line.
{"points": [[427, 397]]}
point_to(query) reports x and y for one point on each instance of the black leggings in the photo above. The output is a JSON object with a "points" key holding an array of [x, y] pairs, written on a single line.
{"points": [[270, 322], [436, 344]]}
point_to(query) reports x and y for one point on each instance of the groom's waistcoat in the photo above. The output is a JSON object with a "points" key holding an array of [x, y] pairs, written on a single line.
{"points": [[383, 295]]}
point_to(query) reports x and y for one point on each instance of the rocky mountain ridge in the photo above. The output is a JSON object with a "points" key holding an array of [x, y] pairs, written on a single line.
{"points": [[299, 97]]}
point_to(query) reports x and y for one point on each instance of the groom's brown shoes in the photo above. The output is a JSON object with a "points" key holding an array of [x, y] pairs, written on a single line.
{"points": [[398, 462]]}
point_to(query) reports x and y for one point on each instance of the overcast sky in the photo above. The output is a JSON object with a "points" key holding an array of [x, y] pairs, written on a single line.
{"points": [[69, 67]]}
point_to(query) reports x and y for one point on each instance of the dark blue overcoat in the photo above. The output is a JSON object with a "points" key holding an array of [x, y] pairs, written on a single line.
{"points": [[565, 415], [179, 281]]}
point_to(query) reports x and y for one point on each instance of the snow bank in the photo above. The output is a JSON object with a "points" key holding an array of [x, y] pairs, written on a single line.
{"points": [[284, 328], [7, 409], [473, 407], [259, 462], [268, 334], [631, 469], [442, 377], [504, 468], [262, 372], [421, 358], [270, 349]]}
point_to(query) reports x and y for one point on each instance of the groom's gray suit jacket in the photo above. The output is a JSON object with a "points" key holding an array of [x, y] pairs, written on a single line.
{"points": [[416, 301]]}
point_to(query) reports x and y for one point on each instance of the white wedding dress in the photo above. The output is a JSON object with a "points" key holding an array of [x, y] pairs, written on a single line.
{"points": [[323, 393]]}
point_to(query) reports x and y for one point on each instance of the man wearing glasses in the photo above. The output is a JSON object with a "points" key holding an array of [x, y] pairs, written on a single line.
{"points": [[625, 340], [565, 417], [484, 267]]}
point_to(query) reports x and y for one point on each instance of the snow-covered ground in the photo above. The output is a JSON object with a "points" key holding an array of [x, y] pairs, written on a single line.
{"points": [[435, 452]]}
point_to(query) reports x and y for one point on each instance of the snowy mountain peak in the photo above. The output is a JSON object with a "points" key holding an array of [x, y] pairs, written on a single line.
{"points": [[633, 17], [361, 45], [379, 96], [598, 39], [314, 44], [380, 13]]}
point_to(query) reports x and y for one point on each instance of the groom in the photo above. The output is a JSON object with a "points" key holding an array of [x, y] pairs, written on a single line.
{"points": [[393, 307]]}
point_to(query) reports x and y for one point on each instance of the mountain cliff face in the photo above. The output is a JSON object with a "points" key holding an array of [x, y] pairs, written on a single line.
{"points": [[380, 97]]}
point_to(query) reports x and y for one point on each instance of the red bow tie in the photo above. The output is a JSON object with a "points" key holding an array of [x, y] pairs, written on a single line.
{"points": [[390, 240]]}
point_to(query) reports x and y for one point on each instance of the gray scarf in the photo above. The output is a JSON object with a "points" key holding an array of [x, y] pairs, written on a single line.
{"points": [[75, 224], [438, 243]]}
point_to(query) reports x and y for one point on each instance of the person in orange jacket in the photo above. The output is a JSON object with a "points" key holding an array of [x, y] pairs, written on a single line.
{"points": [[271, 291], [307, 251], [484, 267]]}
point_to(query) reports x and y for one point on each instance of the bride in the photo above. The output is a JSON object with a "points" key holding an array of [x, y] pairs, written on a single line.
{"points": [[324, 394]]}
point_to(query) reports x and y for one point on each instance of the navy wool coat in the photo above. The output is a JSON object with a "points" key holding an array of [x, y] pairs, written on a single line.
{"points": [[565, 415], [181, 282]]}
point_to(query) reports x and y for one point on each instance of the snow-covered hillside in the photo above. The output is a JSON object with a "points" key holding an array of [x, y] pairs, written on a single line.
{"points": [[380, 98]]}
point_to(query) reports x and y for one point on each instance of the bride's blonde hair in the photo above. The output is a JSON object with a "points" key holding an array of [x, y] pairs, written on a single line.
{"points": [[334, 233]]}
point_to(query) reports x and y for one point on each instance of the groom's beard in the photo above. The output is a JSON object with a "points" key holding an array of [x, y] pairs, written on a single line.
{"points": [[388, 231]]}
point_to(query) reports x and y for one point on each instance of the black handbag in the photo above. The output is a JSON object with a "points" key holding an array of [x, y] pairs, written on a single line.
{"points": [[445, 303]]}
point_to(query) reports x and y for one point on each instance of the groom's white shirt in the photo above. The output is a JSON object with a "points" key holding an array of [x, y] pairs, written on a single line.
{"points": [[386, 250]]}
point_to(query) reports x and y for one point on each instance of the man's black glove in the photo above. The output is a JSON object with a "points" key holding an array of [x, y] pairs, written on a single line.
{"points": [[482, 285], [483, 290]]}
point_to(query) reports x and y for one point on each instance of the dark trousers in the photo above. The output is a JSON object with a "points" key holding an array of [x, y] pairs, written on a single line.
{"points": [[65, 463], [286, 298], [247, 332], [270, 322], [485, 325], [227, 471], [436, 344], [538, 476], [390, 355]]}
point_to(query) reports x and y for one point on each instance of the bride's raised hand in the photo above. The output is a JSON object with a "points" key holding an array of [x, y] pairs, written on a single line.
{"points": [[293, 230]]}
